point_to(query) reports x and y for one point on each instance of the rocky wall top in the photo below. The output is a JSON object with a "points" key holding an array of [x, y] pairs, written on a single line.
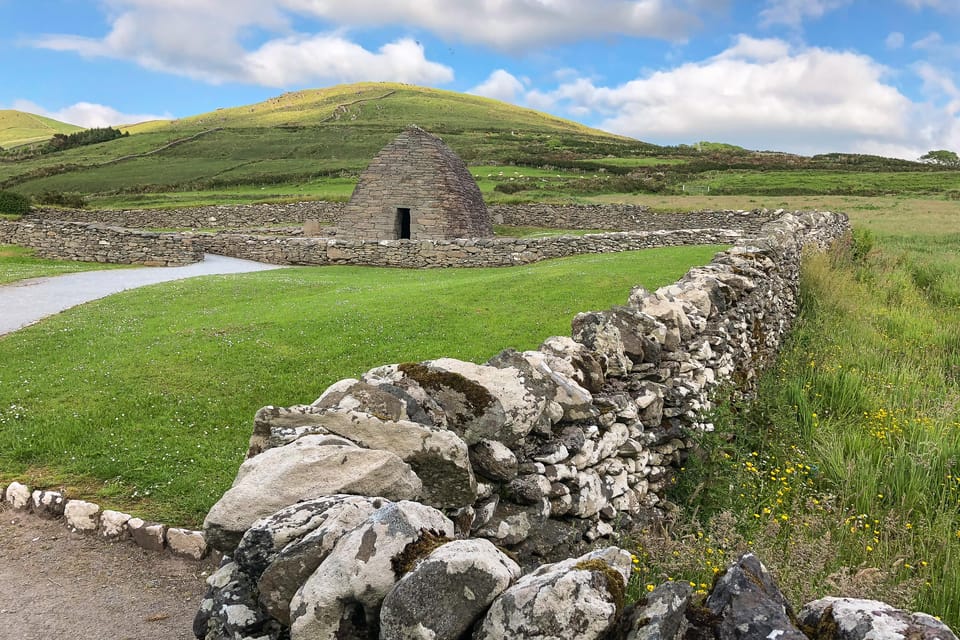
{"points": [[618, 217]]}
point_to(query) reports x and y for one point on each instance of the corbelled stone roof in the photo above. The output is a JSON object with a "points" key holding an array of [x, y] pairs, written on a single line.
{"points": [[416, 188]]}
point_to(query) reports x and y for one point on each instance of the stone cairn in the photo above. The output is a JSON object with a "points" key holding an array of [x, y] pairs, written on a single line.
{"points": [[408, 503]]}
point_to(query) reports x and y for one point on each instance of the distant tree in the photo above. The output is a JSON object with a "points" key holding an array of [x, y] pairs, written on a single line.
{"points": [[941, 157], [61, 141]]}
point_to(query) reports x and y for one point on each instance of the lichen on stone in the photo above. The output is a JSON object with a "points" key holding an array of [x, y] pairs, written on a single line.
{"points": [[428, 542], [615, 584], [477, 396]]}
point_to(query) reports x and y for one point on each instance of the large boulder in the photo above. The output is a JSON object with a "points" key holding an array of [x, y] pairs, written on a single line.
{"points": [[577, 598], [341, 600], [854, 619], [446, 593], [749, 604], [305, 469], [438, 456], [478, 401]]}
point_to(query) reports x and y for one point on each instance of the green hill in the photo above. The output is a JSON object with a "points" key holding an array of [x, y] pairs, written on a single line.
{"points": [[18, 128], [308, 135]]}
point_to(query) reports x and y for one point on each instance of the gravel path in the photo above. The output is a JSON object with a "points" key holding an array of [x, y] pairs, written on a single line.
{"points": [[58, 585], [27, 301]]}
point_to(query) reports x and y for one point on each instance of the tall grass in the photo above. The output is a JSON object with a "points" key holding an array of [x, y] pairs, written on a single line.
{"points": [[844, 475]]}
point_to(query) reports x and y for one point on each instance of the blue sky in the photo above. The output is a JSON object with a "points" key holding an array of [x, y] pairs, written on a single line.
{"points": [[805, 76]]}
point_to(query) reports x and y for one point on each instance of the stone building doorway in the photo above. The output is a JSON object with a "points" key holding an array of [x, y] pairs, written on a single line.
{"points": [[403, 223]]}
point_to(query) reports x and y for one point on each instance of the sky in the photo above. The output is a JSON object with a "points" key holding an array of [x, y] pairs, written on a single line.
{"points": [[802, 76]]}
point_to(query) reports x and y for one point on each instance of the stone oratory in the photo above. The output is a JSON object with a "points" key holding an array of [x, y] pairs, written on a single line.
{"points": [[416, 188]]}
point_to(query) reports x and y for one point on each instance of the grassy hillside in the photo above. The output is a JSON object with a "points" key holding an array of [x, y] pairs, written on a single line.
{"points": [[305, 136], [18, 128], [313, 144]]}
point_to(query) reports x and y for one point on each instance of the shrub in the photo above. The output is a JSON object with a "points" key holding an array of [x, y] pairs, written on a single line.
{"points": [[60, 199], [14, 203]]}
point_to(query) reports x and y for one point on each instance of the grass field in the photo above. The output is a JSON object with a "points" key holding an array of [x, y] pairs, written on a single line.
{"points": [[144, 400], [19, 263]]}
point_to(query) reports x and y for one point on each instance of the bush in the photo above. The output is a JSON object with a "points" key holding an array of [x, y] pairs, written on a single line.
{"points": [[60, 199], [14, 203]]}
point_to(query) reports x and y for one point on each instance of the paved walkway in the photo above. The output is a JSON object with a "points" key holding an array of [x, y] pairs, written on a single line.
{"points": [[27, 301]]}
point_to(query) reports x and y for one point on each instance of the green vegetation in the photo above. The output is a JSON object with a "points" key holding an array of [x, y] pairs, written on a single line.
{"points": [[64, 141], [19, 263], [843, 475], [144, 400], [12, 203], [313, 144]]}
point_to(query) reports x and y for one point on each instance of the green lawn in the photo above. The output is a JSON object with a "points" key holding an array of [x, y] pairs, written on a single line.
{"points": [[144, 400], [19, 263]]}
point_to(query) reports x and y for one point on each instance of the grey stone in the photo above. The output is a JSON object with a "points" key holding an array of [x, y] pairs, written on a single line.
{"points": [[229, 610], [82, 516], [342, 598], [577, 598], [662, 614], [147, 535], [855, 619], [18, 495], [442, 597], [494, 460], [574, 360], [47, 504], [303, 470], [187, 543], [113, 525], [750, 605], [307, 545], [438, 456], [599, 333]]}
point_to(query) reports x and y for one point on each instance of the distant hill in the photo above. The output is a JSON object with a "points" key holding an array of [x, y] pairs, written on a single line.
{"points": [[304, 135], [18, 128]]}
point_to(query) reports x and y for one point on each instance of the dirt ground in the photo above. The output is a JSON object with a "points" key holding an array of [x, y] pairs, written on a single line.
{"points": [[55, 584]]}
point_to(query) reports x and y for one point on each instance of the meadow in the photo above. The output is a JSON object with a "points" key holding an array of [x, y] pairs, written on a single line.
{"points": [[144, 401], [844, 473]]}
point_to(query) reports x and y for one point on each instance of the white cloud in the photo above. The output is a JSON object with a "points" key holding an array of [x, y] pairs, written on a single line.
{"points": [[206, 40], [762, 94], [219, 41], [515, 25], [87, 114], [325, 58], [756, 49], [894, 40], [501, 85], [793, 12]]}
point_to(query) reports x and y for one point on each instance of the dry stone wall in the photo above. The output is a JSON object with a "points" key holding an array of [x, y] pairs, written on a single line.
{"points": [[100, 243], [418, 188], [620, 217], [540, 452], [472, 252]]}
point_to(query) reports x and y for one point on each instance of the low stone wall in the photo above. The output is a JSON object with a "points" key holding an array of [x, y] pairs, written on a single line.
{"points": [[99, 243], [619, 217], [542, 452], [214, 216], [487, 252], [88, 517], [625, 217]]}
